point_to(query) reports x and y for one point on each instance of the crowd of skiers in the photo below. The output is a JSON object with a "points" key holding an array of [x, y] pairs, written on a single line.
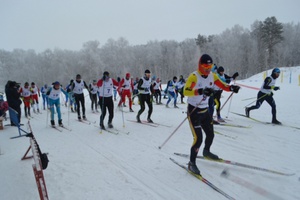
{"points": [[203, 89]]}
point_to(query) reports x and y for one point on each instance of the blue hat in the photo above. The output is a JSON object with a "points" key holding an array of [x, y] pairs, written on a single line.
{"points": [[276, 70], [56, 83]]}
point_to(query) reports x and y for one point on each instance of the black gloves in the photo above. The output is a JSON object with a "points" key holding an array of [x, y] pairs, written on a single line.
{"points": [[234, 88], [276, 88], [206, 91], [236, 74]]}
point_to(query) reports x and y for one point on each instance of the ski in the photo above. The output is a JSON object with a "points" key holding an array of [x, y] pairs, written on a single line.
{"points": [[204, 180], [256, 120], [229, 162], [217, 132], [109, 131], [121, 131], [56, 128], [233, 125], [268, 123], [84, 121], [64, 127], [259, 190], [158, 124], [147, 123]]}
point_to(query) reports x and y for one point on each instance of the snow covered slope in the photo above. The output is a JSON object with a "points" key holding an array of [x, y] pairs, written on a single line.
{"points": [[87, 165]]}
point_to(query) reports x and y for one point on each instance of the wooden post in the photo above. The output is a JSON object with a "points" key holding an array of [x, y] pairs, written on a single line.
{"points": [[25, 155]]}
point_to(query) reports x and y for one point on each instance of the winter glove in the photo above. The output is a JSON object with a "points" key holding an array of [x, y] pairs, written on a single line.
{"points": [[234, 88], [206, 91], [275, 88], [146, 89], [236, 74]]}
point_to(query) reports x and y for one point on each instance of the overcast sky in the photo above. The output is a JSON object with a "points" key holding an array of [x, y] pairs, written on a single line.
{"points": [[67, 24]]}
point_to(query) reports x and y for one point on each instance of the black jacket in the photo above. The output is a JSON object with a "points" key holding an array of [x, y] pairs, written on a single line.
{"points": [[12, 95]]}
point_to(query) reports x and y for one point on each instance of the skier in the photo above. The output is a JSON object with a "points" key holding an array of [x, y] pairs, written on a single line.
{"points": [[93, 95], [180, 85], [26, 97], [53, 95], [198, 88], [13, 98], [145, 87], [35, 94], [265, 94], [71, 96], [125, 89], [135, 90], [171, 90], [44, 89], [77, 87], [218, 91], [105, 86], [157, 90]]}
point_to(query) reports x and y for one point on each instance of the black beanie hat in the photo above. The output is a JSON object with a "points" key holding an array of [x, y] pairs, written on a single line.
{"points": [[147, 71], [220, 69], [106, 73], [205, 59]]}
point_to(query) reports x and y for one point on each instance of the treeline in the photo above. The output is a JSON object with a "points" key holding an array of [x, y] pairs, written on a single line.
{"points": [[266, 45]]}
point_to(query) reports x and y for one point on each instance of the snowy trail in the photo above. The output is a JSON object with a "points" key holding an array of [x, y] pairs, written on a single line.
{"points": [[87, 165]]}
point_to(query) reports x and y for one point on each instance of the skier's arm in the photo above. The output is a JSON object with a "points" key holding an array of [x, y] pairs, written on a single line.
{"points": [[85, 85], [115, 83], [139, 87], [224, 86], [48, 92], [120, 86], [65, 92], [189, 87], [267, 82], [220, 83], [72, 86], [99, 83]]}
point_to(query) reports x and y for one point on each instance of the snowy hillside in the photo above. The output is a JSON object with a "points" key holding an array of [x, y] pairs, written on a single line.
{"points": [[87, 165]]}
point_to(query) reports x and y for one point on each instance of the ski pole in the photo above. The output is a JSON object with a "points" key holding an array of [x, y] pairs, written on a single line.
{"points": [[69, 108], [248, 98], [229, 107], [226, 101], [123, 117], [102, 108], [189, 114], [257, 99], [230, 102], [47, 116]]}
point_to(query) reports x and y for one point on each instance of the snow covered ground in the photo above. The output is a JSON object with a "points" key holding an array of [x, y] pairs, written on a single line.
{"points": [[87, 165]]}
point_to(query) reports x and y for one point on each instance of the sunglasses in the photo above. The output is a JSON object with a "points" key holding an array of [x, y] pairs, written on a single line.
{"points": [[207, 66]]}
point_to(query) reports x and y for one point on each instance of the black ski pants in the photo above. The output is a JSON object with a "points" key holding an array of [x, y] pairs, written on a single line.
{"points": [[199, 119], [79, 99], [145, 98], [106, 103]]}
